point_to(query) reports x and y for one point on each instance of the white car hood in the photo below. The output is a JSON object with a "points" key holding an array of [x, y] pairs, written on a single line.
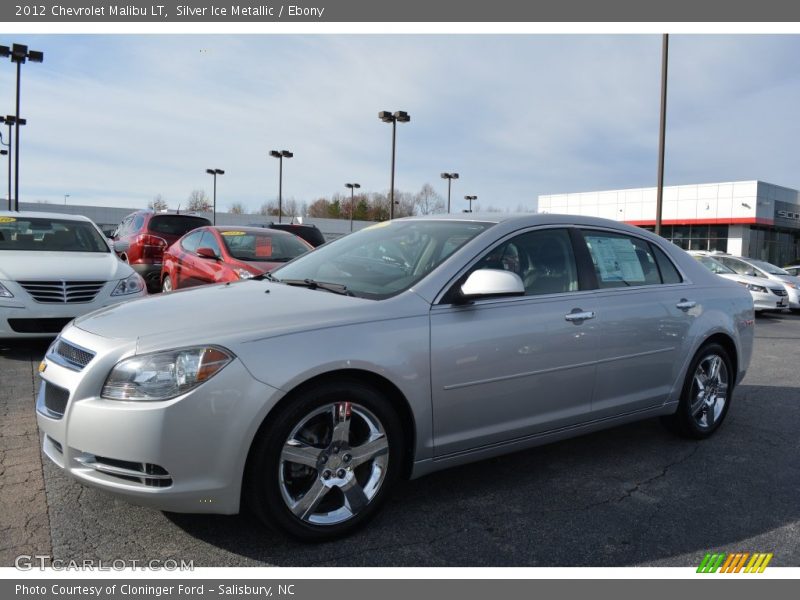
{"points": [[760, 281], [20, 265], [238, 311]]}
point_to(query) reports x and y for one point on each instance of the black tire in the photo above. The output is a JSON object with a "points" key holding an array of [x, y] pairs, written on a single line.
{"points": [[267, 492], [695, 419]]}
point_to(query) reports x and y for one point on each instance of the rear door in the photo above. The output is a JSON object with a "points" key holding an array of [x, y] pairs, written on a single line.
{"points": [[643, 314], [504, 369]]}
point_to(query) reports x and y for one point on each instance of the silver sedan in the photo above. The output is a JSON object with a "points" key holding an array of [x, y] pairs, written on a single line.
{"points": [[402, 349]]}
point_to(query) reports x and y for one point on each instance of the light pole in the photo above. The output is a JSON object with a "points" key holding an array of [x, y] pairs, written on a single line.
{"points": [[449, 177], [6, 153], [215, 172], [353, 187], [65, 199], [10, 120], [399, 116], [280, 155], [19, 53], [662, 131], [470, 199]]}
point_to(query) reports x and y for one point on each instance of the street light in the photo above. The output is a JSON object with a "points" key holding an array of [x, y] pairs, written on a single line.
{"points": [[19, 53], [449, 177], [280, 155], [215, 172], [10, 120], [65, 199], [470, 199], [353, 187], [399, 116]]}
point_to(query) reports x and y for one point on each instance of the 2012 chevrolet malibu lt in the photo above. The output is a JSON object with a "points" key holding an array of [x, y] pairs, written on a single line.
{"points": [[396, 351]]}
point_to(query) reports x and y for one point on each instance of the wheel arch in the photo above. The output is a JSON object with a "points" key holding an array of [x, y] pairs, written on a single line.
{"points": [[727, 342], [380, 383]]}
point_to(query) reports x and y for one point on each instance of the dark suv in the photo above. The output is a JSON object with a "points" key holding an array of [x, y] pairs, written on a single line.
{"points": [[142, 237]]}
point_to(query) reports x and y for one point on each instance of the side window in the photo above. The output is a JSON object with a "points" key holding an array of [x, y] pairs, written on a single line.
{"points": [[191, 242], [543, 259], [124, 227], [669, 274], [209, 241], [621, 260], [138, 222], [742, 268]]}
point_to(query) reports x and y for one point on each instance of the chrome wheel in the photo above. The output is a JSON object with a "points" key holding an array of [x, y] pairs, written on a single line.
{"points": [[333, 463], [709, 392], [166, 285]]}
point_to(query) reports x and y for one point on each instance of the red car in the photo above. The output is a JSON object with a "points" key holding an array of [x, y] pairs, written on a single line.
{"points": [[222, 254], [143, 236]]}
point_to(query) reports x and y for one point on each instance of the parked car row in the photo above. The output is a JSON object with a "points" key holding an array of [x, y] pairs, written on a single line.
{"points": [[772, 288]]}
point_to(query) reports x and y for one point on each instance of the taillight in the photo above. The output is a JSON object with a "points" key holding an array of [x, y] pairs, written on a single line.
{"points": [[152, 245]]}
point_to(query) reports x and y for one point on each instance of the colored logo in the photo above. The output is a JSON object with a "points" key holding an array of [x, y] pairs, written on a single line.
{"points": [[42, 366], [739, 562]]}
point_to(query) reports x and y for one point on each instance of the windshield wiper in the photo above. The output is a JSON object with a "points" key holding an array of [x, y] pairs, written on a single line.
{"points": [[267, 275], [336, 288]]}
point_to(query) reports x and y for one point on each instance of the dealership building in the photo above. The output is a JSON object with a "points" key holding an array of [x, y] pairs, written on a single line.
{"points": [[744, 218]]}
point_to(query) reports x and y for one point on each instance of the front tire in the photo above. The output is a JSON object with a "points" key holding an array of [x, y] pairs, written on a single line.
{"points": [[706, 396], [327, 461]]}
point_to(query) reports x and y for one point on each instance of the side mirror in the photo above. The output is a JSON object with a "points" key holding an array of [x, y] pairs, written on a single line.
{"points": [[492, 283], [207, 253], [121, 247]]}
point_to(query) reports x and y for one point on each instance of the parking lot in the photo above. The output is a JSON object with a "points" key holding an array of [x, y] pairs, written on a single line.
{"points": [[634, 495]]}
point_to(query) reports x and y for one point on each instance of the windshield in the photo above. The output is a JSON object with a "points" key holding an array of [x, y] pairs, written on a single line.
{"points": [[385, 259], [713, 265], [769, 268], [55, 235], [264, 246]]}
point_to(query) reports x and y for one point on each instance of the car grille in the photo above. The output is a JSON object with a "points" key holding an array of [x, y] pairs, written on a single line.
{"points": [[54, 325], [62, 292], [74, 357], [778, 292], [55, 399]]}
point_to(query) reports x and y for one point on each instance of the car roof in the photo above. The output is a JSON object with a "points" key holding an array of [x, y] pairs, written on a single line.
{"points": [[254, 230], [32, 214]]}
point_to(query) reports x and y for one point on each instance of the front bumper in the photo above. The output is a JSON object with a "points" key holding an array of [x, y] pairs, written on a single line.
{"points": [[23, 317], [181, 455], [769, 301]]}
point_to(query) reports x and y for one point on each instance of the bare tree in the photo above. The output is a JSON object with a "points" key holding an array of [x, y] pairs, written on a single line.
{"points": [[237, 208], [269, 208], [427, 201], [198, 202], [157, 204]]}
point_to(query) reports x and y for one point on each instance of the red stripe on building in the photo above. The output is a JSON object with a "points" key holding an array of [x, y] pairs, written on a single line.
{"points": [[728, 221]]}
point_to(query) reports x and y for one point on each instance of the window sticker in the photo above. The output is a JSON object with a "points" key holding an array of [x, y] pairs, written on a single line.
{"points": [[7, 219], [263, 247], [616, 259], [232, 233]]}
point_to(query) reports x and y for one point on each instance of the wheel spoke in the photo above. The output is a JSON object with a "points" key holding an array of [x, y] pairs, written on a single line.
{"points": [[713, 373], [342, 412], [306, 505], [700, 379], [710, 412], [372, 449], [297, 452], [354, 496], [697, 407]]}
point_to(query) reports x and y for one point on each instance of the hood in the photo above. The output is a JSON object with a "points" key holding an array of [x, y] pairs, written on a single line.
{"points": [[247, 309], [21, 265], [747, 279], [789, 279]]}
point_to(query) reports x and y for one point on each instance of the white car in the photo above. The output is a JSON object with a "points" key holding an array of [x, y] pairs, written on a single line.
{"points": [[767, 295], [56, 267], [765, 272]]}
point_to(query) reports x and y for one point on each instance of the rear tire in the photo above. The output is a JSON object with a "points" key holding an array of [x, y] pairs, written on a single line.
{"points": [[326, 462], [706, 395]]}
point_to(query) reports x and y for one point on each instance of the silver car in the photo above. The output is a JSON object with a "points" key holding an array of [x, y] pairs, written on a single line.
{"points": [[402, 349], [766, 272]]}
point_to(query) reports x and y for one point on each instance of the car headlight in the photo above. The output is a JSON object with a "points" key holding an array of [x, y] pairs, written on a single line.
{"points": [[130, 285], [243, 273], [4, 293], [790, 284], [164, 375], [756, 288]]}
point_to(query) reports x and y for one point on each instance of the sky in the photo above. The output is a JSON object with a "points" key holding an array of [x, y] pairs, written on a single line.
{"points": [[117, 119]]}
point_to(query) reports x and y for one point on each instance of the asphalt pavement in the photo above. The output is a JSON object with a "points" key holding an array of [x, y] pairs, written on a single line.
{"points": [[630, 496]]}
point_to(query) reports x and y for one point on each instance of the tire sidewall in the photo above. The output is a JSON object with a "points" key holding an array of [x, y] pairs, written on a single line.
{"points": [[264, 495], [686, 421]]}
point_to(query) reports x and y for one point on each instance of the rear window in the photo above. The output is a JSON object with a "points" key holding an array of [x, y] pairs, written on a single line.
{"points": [[176, 225], [264, 246]]}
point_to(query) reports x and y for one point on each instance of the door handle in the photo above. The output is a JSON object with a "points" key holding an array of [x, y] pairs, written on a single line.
{"points": [[579, 315], [685, 304]]}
